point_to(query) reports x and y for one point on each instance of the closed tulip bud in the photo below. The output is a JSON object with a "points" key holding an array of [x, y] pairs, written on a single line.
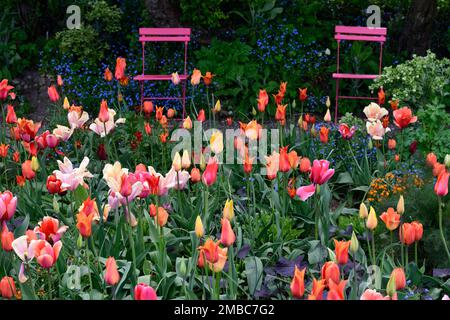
{"points": [[144, 292], [447, 161], [195, 175], [418, 230], [327, 117], [103, 115], [354, 243], [390, 288], [80, 241], [330, 272], [162, 216], [199, 230], [185, 160], [35, 164], [202, 162], [112, 276], [363, 213], [370, 144], [187, 123], [372, 221], [176, 163], [401, 205], [399, 278], [66, 104], [254, 112], [227, 237], [7, 287], [217, 107], [313, 131], [300, 122], [228, 210]]}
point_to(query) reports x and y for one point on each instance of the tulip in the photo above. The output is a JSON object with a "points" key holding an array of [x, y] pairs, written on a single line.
{"points": [[217, 107], [46, 254], [304, 193], [438, 168], [50, 229], [107, 75], [346, 132], [391, 219], [294, 159], [354, 243], [162, 216], [280, 114], [7, 287], [418, 230], [400, 279], [20, 180], [175, 78], [320, 173], [210, 250], [303, 94], [376, 130], [187, 123], [4, 150], [317, 289], [305, 165], [381, 96], [199, 230], [53, 94], [228, 210], [220, 264], [176, 163], [401, 205], [327, 117], [392, 144], [284, 164], [185, 160], [112, 276], [374, 112], [195, 77], [441, 186], [216, 142], [263, 100], [330, 272], [370, 294], [210, 174], [11, 117], [195, 175], [227, 235], [170, 113], [7, 238], [394, 104], [407, 233], [403, 117], [148, 107], [337, 289], [121, 64], [85, 216], [103, 115], [272, 165], [372, 221], [298, 283], [363, 212], [201, 116], [324, 134], [8, 205], [4, 89], [341, 251], [144, 292]]}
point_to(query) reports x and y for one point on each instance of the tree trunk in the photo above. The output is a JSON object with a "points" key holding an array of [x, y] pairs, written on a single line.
{"points": [[163, 13], [416, 36]]}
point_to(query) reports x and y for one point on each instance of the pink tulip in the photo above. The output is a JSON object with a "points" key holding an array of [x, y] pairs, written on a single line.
{"points": [[144, 292], [53, 94], [46, 254], [51, 140], [370, 294], [4, 89], [210, 174], [320, 173], [306, 192], [441, 186], [8, 205]]}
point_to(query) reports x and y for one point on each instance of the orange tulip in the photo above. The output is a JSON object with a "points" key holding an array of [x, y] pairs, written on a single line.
{"points": [[324, 134], [330, 272], [294, 159], [107, 75], [391, 219], [210, 250], [431, 159], [121, 64], [392, 144], [195, 77], [394, 104], [170, 113], [381, 96], [400, 278], [336, 291], [162, 216], [280, 114], [103, 115], [303, 94], [305, 165], [11, 117], [148, 107], [163, 137], [148, 128], [298, 283], [4, 150], [112, 276], [438, 168], [403, 117], [86, 214], [418, 230], [195, 175], [441, 186], [207, 78], [407, 234], [285, 166], [7, 238], [227, 236], [7, 287], [263, 100], [317, 289], [341, 251], [27, 171]]}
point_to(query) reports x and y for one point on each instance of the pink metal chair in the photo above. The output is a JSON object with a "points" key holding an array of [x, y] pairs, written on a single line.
{"points": [[357, 34], [163, 35]]}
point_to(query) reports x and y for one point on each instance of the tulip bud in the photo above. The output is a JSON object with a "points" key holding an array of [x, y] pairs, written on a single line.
{"points": [[254, 112], [372, 221], [34, 164], [390, 288], [363, 213], [66, 104], [354, 243], [327, 117], [182, 267], [176, 163], [401, 205], [217, 107], [80, 241], [195, 175], [370, 144], [447, 161], [228, 210], [199, 230], [185, 160], [300, 122], [187, 123], [313, 131], [202, 162], [294, 104]]}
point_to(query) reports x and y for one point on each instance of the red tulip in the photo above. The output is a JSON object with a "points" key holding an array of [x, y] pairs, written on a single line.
{"points": [[7, 238], [280, 114], [101, 152], [4, 89], [53, 184], [112, 276], [284, 164], [7, 287], [103, 115], [53, 94], [298, 283], [303, 94], [317, 289], [210, 174], [4, 150], [201, 116], [263, 100], [441, 186], [400, 278], [407, 234], [346, 132], [27, 172], [50, 228], [121, 64], [341, 251], [11, 117], [336, 291], [403, 117], [144, 292]]}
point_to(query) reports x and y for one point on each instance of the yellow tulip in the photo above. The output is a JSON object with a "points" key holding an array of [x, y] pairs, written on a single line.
{"points": [[185, 160], [176, 163], [228, 210], [401, 205], [363, 213], [199, 230], [372, 221], [217, 107], [35, 164], [216, 142]]}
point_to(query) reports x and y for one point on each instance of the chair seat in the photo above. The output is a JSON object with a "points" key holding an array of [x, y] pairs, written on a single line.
{"points": [[158, 77], [354, 76]]}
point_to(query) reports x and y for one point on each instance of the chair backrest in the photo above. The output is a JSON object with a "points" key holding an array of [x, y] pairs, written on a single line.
{"points": [[164, 34], [360, 34]]}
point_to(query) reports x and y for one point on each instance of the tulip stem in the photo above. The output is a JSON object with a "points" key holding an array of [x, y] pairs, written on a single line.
{"points": [[441, 229], [89, 263], [373, 248], [49, 280], [368, 247], [415, 253]]}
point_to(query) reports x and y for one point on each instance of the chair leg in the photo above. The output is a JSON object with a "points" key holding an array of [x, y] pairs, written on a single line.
{"points": [[184, 99], [337, 101]]}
